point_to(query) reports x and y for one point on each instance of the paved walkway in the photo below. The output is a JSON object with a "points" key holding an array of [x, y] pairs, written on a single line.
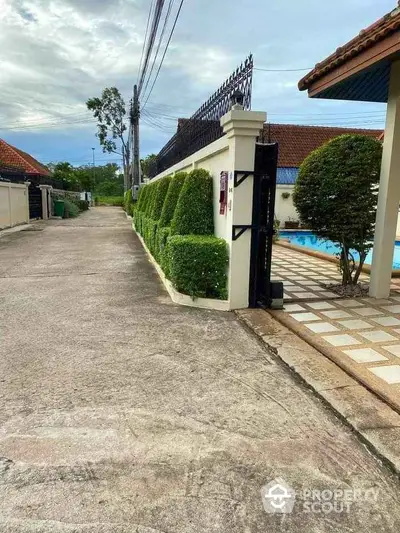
{"points": [[362, 335], [304, 277], [122, 412]]}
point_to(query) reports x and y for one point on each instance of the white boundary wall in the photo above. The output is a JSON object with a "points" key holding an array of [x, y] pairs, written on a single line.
{"points": [[14, 204], [233, 151]]}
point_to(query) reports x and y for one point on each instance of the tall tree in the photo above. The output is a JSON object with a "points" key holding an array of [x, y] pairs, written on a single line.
{"points": [[336, 197], [146, 164], [110, 112]]}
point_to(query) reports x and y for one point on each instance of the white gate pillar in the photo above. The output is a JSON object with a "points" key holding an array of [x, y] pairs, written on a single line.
{"points": [[241, 128], [27, 183], [45, 203], [389, 194]]}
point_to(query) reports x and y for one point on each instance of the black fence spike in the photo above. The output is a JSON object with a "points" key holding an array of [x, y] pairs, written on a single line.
{"points": [[203, 127]]}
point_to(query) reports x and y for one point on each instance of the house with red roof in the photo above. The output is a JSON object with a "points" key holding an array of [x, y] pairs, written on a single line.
{"points": [[295, 144], [26, 168], [13, 157]]}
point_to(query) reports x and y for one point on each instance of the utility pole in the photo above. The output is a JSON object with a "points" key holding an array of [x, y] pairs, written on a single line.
{"points": [[126, 171], [94, 172], [135, 132]]}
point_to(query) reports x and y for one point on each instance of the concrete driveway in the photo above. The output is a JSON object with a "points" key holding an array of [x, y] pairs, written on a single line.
{"points": [[122, 412]]}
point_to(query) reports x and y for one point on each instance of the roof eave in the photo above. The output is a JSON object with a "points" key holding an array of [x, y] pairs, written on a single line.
{"points": [[340, 66]]}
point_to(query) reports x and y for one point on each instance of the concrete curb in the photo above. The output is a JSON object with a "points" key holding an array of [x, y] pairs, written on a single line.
{"points": [[14, 229], [376, 424]]}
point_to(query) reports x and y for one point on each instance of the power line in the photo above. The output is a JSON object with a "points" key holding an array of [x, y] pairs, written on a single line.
{"points": [[329, 118], [145, 38], [155, 124], [165, 51], [159, 43], [46, 120], [46, 126], [161, 115], [54, 120], [282, 69], [149, 48], [361, 113]]}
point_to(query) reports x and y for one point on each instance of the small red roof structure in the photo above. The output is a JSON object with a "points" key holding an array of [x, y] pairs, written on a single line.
{"points": [[360, 69], [13, 157], [297, 142]]}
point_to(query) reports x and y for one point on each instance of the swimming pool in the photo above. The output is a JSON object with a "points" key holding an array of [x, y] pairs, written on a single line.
{"points": [[306, 239]]}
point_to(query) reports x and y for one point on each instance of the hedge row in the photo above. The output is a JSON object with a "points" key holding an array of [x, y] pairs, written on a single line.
{"points": [[129, 202], [174, 215]]}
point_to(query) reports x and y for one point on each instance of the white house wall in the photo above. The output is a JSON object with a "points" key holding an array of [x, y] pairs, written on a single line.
{"points": [[284, 208]]}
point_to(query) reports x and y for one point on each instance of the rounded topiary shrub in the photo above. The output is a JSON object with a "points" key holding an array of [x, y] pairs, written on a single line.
{"points": [[336, 196], [174, 190], [194, 211], [159, 197]]}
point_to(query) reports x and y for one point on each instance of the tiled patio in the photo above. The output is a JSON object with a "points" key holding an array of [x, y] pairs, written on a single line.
{"points": [[304, 276], [362, 335]]}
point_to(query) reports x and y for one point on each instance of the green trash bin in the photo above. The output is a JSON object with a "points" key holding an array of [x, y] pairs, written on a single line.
{"points": [[59, 207]]}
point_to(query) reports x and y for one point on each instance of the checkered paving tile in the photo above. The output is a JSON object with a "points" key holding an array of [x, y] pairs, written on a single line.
{"points": [[365, 332], [305, 278]]}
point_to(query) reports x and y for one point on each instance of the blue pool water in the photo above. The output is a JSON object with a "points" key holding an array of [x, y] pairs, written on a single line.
{"points": [[307, 239]]}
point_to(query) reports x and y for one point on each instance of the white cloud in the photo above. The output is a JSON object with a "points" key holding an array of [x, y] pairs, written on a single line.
{"points": [[55, 54]]}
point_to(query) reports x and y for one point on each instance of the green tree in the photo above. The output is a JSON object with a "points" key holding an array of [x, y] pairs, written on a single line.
{"points": [[110, 111], [103, 180], [65, 172], [146, 163], [336, 197]]}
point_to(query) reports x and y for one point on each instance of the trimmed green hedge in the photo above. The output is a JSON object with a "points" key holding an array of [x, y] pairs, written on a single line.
{"points": [[128, 201], [159, 197], [143, 192], [195, 261], [172, 197], [197, 265], [194, 211], [151, 198], [160, 246]]}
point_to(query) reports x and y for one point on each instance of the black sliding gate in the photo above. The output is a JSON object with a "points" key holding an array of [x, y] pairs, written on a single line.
{"points": [[35, 200], [261, 290], [265, 166]]}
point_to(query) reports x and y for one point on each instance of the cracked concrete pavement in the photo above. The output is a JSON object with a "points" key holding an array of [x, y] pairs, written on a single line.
{"points": [[121, 412]]}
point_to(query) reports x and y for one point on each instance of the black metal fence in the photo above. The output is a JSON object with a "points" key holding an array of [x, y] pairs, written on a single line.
{"points": [[203, 127]]}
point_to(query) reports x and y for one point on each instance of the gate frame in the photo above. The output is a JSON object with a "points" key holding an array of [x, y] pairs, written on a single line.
{"points": [[262, 226]]}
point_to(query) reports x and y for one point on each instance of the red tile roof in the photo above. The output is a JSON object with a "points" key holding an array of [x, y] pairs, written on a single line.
{"points": [[297, 142], [388, 24], [9, 155]]}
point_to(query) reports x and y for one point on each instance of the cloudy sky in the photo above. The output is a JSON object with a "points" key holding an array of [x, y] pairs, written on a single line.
{"points": [[55, 54]]}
